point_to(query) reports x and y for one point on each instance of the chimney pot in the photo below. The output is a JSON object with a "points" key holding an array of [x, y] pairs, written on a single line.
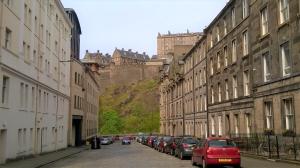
{"points": [[87, 51], [98, 51]]}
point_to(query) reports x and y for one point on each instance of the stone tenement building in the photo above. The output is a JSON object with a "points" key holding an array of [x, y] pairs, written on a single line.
{"points": [[34, 77], [84, 106], [252, 79], [123, 67], [167, 43]]}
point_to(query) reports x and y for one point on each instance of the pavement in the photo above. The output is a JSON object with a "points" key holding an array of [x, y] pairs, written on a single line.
{"points": [[45, 159]]}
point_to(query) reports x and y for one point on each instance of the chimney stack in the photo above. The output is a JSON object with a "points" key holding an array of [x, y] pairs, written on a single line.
{"points": [[122, 49], [129, 50], [98, 51], [86, 51], [144, 53]]}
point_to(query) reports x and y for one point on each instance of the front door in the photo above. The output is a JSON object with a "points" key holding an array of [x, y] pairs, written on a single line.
{"points": [[3, 135]]}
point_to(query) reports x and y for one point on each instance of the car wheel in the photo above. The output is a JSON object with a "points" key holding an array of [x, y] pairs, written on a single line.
{"points": [[181, 156]]}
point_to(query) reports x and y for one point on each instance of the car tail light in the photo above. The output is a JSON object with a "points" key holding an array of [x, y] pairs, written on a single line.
{"points": [[208, 151], [238, 151], [165, 144], [185, 145]]}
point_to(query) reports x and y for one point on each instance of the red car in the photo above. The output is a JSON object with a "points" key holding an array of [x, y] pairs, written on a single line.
{"points": [[217, 152]]}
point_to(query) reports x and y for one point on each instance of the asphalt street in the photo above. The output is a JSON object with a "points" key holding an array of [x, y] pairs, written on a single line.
{"points": [[139, 156]]}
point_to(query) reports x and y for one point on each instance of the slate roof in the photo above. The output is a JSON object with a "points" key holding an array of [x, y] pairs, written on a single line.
{"points": [[132, 55]]}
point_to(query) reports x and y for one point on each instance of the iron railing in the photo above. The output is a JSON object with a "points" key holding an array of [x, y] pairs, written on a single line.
{"points": [[271, 146]]}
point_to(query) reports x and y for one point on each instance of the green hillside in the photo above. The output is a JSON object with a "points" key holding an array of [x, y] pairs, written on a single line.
{"points": [[130, 108]]}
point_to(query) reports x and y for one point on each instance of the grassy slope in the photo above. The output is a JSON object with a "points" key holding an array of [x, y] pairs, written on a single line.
{"points": [[136, 106]]}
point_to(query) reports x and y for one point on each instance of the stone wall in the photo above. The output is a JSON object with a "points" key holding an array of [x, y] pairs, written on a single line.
{"points": [[126, 74]]}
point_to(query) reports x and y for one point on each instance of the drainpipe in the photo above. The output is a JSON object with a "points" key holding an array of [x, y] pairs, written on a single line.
{"points": [[182, 106], [193, 90]]}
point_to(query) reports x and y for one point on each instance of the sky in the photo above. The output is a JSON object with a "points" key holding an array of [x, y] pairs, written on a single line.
{"points": [[135, 24]]}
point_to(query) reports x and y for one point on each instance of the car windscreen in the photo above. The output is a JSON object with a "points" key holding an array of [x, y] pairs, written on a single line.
{"points": [[189, 141], [221, 143]]}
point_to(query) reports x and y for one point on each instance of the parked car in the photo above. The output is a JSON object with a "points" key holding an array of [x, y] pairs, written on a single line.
{"points": [[185, 147], [117, 137], [218, 152], [163, 143], [126, 140], [144, 140], [139, 139], [150, 141], [156, 142], [112, 140], [104, 141], [171, 145]]}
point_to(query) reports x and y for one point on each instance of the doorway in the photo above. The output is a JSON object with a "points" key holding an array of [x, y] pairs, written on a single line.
{"points": [[3, 145], [77, 130]]}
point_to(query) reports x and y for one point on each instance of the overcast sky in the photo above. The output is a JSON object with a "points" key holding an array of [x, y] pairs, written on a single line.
{"points": [[134, 24]]}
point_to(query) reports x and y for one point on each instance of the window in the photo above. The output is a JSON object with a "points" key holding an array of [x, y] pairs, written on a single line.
{"points": [[286, 59], [225, 56], [248, 124], [264, 21], [220, 125], [233, 22], [234, 58], [267, 67], [284, 10], [219, 92], [234, 84], [32, 98], [246, 83], [236, 124], [205, 103], [5, 88], [225, 27], [211, 40], [218, 34], [226, 90], [20, 140], [245, 8], [7, 43], [34, 57], [245, 43], [212, 95], [29, 17], [201, 105], [42, 32], [268, 115], [35, 25], [211, 67], [21, 95], [25, 14], [26, 97], [219, 60], [288, 114], [213, 129]]}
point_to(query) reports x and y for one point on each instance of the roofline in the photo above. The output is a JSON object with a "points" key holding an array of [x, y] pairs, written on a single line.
{"points": [[76, 18], [61, 6], [180, 34], [219, 15], [195, 46]]}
